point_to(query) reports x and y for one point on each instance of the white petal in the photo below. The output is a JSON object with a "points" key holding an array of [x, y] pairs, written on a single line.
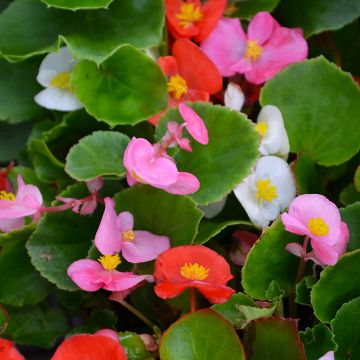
{"points": [[247, 196], [213, 209], [234, 98], [280, 175], [275, 141], [57, 99], [45, 76], [60, 61]]}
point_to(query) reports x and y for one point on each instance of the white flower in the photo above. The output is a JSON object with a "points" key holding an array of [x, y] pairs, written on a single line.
{"points": [[267, 191], [234, 98], [270, 126], [54, 75], [213, 209]]}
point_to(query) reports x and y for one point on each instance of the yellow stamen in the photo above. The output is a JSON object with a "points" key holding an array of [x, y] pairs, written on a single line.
{"points": [[194, 271], [6, 196], [253, 50], [261, 128], [189, 13], [128, 235], [265, 191], [109, 262], [318, 226], [62, 81], [177, 86]]}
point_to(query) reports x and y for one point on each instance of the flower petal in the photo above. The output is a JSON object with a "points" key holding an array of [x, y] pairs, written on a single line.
{"points": [[7, 225], [121, 281], [261, 27], [194, 124], [186, 184], [57, 99], [234, 97], [216, 294], [125, 221]]}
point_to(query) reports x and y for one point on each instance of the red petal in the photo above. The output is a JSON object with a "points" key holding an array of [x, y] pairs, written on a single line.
{"points": [[216, 294], [90, 347], [168, 65], [8, 351], [196, 68], [212, 12], [168, 290]]}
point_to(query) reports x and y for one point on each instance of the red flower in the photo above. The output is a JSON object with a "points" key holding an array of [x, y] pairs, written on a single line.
{"points": [[192, 19], [8, 351], [193, 266], [90, 347], [191, 75]]}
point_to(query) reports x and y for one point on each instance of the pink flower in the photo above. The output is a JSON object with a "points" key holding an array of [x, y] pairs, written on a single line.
{"points": [[109, 333], [174, 136], [150, 164], [243, 242], [318, 218], [14, 208], [260, 54], [115, 235]]}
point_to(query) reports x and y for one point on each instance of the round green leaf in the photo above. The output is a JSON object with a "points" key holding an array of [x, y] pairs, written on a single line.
{"points": [[268, 261], [227, 159], [357, 178], [116, 91], [134, 346], [349, 195], [246, 9], [96, 155], [351, 215], [201, 335], [338, 284], [161, 213], [346, 328], [60, 239], [92, 34], [318, 16], [316, 113], [20, 283], [78, 4]]}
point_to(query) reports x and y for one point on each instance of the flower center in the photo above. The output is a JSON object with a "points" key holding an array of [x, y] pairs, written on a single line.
{"points": [[194, 271], [6, 196], [109, 262], [265, 191], [128, 235], [177, 86], [318, 226], [261, 128], [253, 50], [62, 81], [188, 14]]}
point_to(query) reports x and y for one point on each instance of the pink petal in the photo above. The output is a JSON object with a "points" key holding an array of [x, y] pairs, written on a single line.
{"points": [[186, 184], [13, 210], [121, 281], [225, 45], [184, 143], [343, 240], [261, 27], [295, 249], [242, 66], [145, 247], [125, 221], [108, 238], [130, 179], [85, 273], [109, 333], [194, 124], [293, 225], [28, 195], [95, 184], [88, 207], [326, 254], [328, 356], [11, 224]]}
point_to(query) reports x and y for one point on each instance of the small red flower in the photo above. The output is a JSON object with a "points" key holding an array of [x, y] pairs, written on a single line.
{"points": [[90, 347], [8, 351], [192, 19], [193, 266], [191, 75]]}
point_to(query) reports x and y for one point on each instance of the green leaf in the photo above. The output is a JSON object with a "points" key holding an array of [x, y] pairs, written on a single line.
{"points": [[116, 91], [308, 178], [268, 261], [317, 125], [274, 292], [338, 284], [230, 311], [351, 215], [276, 339], [220, 165], [92, 34], [161, 213], [317, 341], [60, 239], [357, 179], [196, 336], [246, 9], [4, 319], [78, 4], [96, 155], [18, 86], [349, 195], [134, 346], [318, 16], [20, 283], [303, 290], [209, 229], [346, 328], [36, 325], [251, 313]]}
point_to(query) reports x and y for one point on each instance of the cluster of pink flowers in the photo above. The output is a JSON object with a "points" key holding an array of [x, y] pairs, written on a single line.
{"points": [[150, 163]]}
